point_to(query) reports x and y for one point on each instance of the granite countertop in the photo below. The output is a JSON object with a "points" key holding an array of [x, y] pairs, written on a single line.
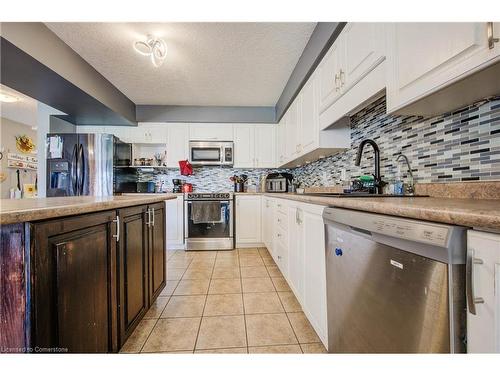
{"points": [[477, 213], [22, 210]]}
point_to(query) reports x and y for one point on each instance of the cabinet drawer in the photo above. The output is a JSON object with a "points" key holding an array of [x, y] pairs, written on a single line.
{"points": [[281, 206], [281, 235], [282, 220]]}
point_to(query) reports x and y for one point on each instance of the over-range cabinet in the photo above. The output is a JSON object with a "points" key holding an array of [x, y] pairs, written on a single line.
{"points": [[94, 276]]}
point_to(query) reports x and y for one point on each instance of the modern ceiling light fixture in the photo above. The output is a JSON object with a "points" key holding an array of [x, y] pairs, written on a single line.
{"points": [[8, 98], [154, 47]]}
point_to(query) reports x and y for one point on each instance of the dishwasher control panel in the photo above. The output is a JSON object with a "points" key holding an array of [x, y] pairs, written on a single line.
{"points": [[411, 230], [407, 229]]}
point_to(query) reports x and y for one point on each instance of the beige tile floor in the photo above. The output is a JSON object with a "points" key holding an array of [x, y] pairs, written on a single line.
{"points": [[224, 302]]}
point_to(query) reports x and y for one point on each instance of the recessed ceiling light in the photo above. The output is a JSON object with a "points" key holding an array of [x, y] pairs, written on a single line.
{"points": [[154, 47], [8, 98]]}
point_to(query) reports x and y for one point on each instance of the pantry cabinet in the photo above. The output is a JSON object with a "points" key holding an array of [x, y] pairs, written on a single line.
{"points": [[446, 53], [483, 324], [248, 214]]}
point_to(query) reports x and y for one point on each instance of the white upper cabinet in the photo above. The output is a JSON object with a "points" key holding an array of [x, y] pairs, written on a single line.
{"points": [[353, 71], [309, 116], [211, 132], [254, 146], [244, 145], [364, 45], [292, 127], [329, 73], [265, 146], [281, 142], [177, 144], [425, 57]]}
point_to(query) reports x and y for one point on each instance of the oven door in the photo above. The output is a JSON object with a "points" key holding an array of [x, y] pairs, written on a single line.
{"points": [[222, 228], [206, 153]]}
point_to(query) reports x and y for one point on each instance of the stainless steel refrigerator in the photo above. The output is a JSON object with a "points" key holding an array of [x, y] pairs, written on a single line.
{"points": [[79, 164]]}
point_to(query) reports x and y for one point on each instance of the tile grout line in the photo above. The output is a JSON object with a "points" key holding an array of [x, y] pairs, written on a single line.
{"points": [[243, 304], [204, 305]]}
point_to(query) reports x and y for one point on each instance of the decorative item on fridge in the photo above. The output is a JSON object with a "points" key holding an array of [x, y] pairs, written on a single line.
{"points": [[185, 167]]}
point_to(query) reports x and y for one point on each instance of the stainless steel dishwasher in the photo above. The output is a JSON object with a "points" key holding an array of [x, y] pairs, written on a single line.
{"points": [[394, 285]]}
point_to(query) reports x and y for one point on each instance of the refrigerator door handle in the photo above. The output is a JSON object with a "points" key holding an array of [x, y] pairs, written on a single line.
{"points": [[74, 172], [81, 168]]}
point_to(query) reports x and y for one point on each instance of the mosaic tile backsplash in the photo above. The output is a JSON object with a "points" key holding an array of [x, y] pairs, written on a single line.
{"points": [[463, 145]]}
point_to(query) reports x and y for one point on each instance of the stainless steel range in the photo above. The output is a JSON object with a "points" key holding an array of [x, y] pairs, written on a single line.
{"points": [[208, 221]]}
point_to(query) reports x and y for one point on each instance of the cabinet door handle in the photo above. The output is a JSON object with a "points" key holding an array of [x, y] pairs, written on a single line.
{"points": [[472, 300], [117, 235], [148, 221], [337, 78], [491, 39], [153, 216], [342, 78]]}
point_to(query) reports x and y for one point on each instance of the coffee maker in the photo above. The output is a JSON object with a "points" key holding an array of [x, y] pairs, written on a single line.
{"points": [[177, 185]]}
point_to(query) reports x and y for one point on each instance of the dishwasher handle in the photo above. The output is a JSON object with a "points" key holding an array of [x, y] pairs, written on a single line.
{"points": [[472, 300]]}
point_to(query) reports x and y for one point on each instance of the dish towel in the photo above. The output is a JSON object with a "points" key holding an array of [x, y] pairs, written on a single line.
{"points": [[205, 212]]}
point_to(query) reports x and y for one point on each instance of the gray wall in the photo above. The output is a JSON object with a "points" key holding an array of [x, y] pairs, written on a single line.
{"points": [[58, 125], [171, 113], [40, 42]]}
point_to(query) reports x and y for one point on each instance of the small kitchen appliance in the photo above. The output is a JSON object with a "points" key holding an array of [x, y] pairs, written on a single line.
{"points": [[279, 182]]}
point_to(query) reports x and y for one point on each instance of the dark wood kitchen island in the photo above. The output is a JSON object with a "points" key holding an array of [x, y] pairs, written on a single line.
{"points": [[77, 274]]}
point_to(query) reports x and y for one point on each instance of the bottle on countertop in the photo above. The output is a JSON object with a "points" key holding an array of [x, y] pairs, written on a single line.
{"points": [[398, 183]]}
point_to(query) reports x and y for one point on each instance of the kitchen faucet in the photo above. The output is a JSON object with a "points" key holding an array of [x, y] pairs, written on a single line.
{"points": [[411, 185], [378, 181]]}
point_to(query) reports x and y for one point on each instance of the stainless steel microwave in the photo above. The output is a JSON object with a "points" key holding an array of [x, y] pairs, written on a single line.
{"points": [[211, 153]]}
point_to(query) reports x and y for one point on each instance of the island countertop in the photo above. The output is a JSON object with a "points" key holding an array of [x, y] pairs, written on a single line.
{"points": [[24, 210]]}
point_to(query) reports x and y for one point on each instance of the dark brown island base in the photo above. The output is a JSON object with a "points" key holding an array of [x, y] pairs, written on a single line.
{"points": [[78, 273]]}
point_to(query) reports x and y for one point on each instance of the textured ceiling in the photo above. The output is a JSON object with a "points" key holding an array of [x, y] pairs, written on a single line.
{"points": [[226, 64]]}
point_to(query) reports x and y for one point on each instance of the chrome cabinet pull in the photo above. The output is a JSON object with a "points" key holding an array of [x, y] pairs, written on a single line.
{"points": [[117, 235], [337, 78], [148, 221], [471, 298], [153, 216], [342, 78], [491, 39]]}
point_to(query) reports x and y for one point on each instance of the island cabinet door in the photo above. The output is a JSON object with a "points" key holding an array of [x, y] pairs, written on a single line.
{"points": [[157, 250], [132, 268], [73, 294]]}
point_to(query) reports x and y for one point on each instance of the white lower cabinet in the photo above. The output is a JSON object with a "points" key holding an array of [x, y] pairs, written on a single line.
{"points": [[248, 215], [175, 223], [267, 223], [483, 325], [301, 256], [313, 242]]}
